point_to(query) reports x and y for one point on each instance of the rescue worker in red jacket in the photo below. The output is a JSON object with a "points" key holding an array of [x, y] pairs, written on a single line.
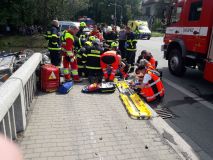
{"points": [[69, 59], [96, 33], [149, 84], [110, 60], [123, 65]]}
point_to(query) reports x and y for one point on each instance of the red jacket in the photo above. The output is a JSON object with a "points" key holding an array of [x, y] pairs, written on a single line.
{"points": [[97, 34]]}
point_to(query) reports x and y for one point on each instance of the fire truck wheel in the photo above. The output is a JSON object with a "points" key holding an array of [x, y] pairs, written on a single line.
{"points": [[175, 63]]}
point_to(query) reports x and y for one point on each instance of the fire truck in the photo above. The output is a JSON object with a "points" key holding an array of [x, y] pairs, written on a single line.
{"points": [[188, 40]]}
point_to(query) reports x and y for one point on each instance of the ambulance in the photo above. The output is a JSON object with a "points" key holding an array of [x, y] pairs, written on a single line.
{"points": [[188, 40], [140, 28]]}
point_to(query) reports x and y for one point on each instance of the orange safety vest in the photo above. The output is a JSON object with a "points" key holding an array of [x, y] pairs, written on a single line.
{"points": [[154, 89], [152, 62], [110, 58]]}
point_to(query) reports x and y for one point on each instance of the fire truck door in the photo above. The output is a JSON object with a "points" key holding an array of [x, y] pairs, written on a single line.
{"points": [[192, 29], [208, 74]]}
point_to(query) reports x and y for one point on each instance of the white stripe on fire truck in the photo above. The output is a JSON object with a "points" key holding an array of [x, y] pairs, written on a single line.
{"points": [[187, 30]]}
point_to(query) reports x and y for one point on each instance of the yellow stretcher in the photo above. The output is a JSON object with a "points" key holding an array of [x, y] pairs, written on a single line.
{"points": [[134, 105]]}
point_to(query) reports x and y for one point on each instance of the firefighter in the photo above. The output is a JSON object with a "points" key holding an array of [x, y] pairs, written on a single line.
{"points": [[69, 59], [54, 44], [81, 34], [81, 58], [93, 62], [149, 84], [110, 36], [130, 48], [110, 62]]}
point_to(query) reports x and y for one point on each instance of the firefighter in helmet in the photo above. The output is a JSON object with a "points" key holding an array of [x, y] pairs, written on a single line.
{"points": [[54, 44], [81, 34]]}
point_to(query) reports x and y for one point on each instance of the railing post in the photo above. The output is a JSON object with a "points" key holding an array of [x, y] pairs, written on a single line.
{"points": [[19, 111]]}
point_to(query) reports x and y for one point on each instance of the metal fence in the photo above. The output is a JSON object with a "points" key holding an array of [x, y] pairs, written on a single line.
{"points": [[16, 96]]}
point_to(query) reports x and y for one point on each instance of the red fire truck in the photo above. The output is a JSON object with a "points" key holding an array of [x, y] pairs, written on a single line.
{"points": [[188, 41]]}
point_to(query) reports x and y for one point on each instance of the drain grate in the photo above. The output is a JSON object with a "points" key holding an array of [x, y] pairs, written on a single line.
{"points": [[165, 113]]}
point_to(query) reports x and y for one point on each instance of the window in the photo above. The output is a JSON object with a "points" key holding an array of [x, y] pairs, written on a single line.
{"points": [[195, 11], [176, 14]]}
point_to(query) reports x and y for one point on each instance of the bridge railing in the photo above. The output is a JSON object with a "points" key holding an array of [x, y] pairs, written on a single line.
{"points": [[16, 96]]}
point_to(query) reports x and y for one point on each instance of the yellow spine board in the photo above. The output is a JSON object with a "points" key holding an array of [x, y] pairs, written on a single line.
{"points": [[129, 106], [141, 106], [134, 105]]}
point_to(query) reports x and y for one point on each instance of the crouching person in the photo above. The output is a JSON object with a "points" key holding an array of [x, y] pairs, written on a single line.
{"points": [[148, 84]]}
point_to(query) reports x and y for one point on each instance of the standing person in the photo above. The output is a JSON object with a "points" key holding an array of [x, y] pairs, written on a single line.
{"points": [[54, 44], [130, 48], [95, 32], [122, 41], [81, 34], [69, 59], [110, 36]]}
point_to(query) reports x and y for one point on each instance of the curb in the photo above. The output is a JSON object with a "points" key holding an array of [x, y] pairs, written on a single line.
{"points": [[183, 149]]}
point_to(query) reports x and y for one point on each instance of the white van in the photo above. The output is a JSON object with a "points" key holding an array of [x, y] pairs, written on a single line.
{"points": [[65, 24]]}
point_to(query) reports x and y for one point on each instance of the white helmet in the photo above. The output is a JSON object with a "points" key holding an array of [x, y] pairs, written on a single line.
{"points": [[109, 29]]}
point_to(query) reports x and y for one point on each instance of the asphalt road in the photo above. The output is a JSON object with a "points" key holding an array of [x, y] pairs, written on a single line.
{"points": [[189, 97]]}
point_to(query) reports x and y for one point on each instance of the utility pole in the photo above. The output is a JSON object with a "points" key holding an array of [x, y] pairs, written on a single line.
{"points": [[115, 18]]}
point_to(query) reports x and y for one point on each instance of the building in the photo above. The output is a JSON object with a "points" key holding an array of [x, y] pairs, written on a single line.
{"points": [[152, 10], [154, 7]]}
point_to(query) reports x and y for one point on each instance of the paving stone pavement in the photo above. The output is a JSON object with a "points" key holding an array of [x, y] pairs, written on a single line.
{"points": [[79, 126]]}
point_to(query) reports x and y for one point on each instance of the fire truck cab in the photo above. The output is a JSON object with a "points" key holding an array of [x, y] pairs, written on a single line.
{"points": [[188, 37]]}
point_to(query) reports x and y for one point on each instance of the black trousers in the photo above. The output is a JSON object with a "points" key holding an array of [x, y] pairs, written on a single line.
{"points": [[95, 75], [130, 56], [55, 57], [122, 48]]}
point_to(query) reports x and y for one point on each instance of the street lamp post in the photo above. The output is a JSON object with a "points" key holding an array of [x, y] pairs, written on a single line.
{"points": [[115, 18]]}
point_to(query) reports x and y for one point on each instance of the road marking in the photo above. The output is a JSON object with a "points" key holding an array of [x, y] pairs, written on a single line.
{"points": [[190, 94]]}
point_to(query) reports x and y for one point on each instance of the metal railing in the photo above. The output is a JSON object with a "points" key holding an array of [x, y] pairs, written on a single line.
{"points": [[16, 96]]}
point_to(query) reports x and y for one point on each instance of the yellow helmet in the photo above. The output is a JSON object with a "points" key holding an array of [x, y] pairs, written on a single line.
{"points": [[88, 43], [83, 24], [92, 38], [114, 44]]}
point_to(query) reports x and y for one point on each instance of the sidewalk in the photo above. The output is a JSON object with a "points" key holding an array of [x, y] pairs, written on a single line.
{"points": [[81, 126]]}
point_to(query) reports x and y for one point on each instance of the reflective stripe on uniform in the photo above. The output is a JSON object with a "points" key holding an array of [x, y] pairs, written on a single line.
{"points": [[80, 66], [128, 49], [85, 55], [55, 43], [56, 49], [69, 53], [66, 71], [74, 72], [89, 67], [93, 55], [153, 83], [95, 51], [151, 97]]}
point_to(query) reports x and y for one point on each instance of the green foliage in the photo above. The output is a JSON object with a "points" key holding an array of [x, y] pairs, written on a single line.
{"points": [[41, 12]]}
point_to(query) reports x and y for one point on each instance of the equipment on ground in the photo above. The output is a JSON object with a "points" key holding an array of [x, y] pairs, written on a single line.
{"points": [[188, 40], [49, 78], [136, 108], [65, 87], [104, 87], [140, 28]]}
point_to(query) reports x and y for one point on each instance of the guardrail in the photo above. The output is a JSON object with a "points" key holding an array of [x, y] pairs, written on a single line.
{"points": [[16, 95]]}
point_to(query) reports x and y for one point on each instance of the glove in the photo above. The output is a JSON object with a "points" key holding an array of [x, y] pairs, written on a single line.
{"points": [[68, 59]]}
